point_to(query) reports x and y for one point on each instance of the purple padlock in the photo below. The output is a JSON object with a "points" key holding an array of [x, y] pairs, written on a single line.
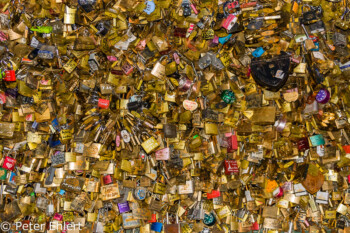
{"points": [[323, 96], [123, 207]]}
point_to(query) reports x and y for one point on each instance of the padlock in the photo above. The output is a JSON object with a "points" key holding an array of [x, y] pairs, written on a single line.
{"points": [[205, 61], [107, 179], [149, 143], [93, 62], [10, 76], [216, 62], [271, 73], [150, 7], [312, 15], [229, 22], [184, 84], [124, 207], [9, 163], [159, 69], [157, 226], [69, 15], [172, 227], [103, 103], [98, 226], [186, 7], [339, 39], [231, 167]]}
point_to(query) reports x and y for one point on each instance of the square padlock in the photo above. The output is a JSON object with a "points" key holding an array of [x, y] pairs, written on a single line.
{"points": [[232, 143], [231, 167], [10, 76], [150, 145], [103, 103], [157, 226], [9, 163], [170, 131], [229, 22]]}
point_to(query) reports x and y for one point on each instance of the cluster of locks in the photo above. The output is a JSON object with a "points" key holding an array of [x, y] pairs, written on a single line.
{"points": [[174, 116]]}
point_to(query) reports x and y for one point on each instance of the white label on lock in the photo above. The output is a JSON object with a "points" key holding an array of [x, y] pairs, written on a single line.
{"points": [[229, 22], [190, 105], [125, 135]]}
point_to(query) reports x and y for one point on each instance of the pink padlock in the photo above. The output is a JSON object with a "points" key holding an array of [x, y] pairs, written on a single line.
{"points": [[229, 22], [58, 217], [194, 9], [2, 98], [107, 179]]}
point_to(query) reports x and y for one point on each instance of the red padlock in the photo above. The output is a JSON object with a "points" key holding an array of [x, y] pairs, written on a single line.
{"points": [[303, 144], [231, 167], [154, 218], [102, 103], [229, 22], [2, 98], [213, 194], [10, 76], [107, 179], [9, 163], [255, 226], [232, 143]]}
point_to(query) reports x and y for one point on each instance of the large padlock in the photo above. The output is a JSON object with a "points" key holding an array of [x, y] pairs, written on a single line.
{"points": [[172, 227], [271, 73]]}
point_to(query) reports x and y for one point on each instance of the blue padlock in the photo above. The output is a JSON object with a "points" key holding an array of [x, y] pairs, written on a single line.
{"points": [[55, 124], [157, 226], [53, 142], [317, 140], [317, 47], [223, 40], [150, 7], [35, 125], [62, 192], [258, 52]]}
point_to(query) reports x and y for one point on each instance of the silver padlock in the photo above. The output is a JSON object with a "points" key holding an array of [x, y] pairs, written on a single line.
{"points": [[216, 62], [93, 62], [205, 61]]}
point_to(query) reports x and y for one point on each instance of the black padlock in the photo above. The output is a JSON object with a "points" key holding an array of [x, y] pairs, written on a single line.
{"points": [[341, 224], [186, 9], [102, 27], [87, 5], [33, 54], [308, 17], [271, 73], [255, 24], [134, 106]]}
